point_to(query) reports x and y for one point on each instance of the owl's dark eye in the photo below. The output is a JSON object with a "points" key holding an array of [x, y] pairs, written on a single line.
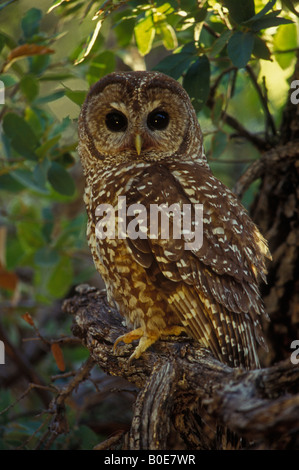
{"points": [[116, 121], [157, 120]]}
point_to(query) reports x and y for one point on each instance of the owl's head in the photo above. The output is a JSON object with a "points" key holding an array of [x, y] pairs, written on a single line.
{"points": [[143, 116]]}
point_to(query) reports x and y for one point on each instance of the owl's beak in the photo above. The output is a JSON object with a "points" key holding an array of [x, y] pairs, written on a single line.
{"points": [[138, 143]]}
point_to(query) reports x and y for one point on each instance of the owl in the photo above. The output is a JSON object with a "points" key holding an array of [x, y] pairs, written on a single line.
{"points": [[140, 144]]}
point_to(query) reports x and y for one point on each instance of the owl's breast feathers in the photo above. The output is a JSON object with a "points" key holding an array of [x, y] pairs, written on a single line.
{"points": [[211, 288]]}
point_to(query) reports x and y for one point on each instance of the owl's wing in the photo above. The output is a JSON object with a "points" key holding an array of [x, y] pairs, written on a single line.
{"points": [[211, 285]]}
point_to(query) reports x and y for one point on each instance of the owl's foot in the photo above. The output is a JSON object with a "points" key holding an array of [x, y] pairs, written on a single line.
{"points": [[144, 343], [146, 340], [129, 337], [174, 330]]}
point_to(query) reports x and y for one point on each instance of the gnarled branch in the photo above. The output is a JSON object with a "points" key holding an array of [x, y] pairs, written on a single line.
{"points": [[211, 405]]}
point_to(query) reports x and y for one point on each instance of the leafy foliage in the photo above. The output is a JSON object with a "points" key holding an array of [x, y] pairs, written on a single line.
{"points": [[234, 59]]}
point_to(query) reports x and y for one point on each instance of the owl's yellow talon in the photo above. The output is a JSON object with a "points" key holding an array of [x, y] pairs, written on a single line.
{"points": [[174, 330], [145, 340], [144, 343], [129, 337]]}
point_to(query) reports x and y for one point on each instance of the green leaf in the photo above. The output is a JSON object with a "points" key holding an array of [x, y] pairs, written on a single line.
{"points": [[220, 43], [39, 63], [197, 82], [60, 127], [30, 235], [61, 278], [240, 13], [260, 49], [40, 172], [8, 80], [8, 183], [56, 95], [29, 86], [177, 63], [46, 256], [55, 77], [168, 36], [285, 39], [76, 96], [34, 119], [240, 47], [268, 21], [26, 178], [21, 136], [61, 180], [44, 149], [263, 11], [101, 65], [91, 44], [144, 34], [31, 21]]}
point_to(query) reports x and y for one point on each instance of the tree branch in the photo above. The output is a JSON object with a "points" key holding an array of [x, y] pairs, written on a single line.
{"points": [[183, 385], [267, 162], [241, 131]]}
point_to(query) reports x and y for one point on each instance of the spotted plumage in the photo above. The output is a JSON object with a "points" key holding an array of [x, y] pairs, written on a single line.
{"points": [[139, 139]]}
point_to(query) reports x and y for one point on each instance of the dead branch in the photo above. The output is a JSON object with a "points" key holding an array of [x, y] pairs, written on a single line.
{"points": [[184, 386]]}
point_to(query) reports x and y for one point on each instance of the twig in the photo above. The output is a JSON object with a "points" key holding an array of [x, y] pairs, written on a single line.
{"points": [[110, 442], [263, 100], [211, 31], [25, 369], [30, 387], [27, 441], [63, 376], [59, 424], [286, 51], [218, 80]]}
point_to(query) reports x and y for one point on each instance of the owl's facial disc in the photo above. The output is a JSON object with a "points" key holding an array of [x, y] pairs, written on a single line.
{"points": [[140, 119]]}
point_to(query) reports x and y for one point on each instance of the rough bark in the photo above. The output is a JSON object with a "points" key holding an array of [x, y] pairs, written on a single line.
{"points": [[183, 386]]}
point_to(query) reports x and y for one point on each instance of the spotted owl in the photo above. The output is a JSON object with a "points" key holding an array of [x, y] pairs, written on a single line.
{"points": [[140, 142]]}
